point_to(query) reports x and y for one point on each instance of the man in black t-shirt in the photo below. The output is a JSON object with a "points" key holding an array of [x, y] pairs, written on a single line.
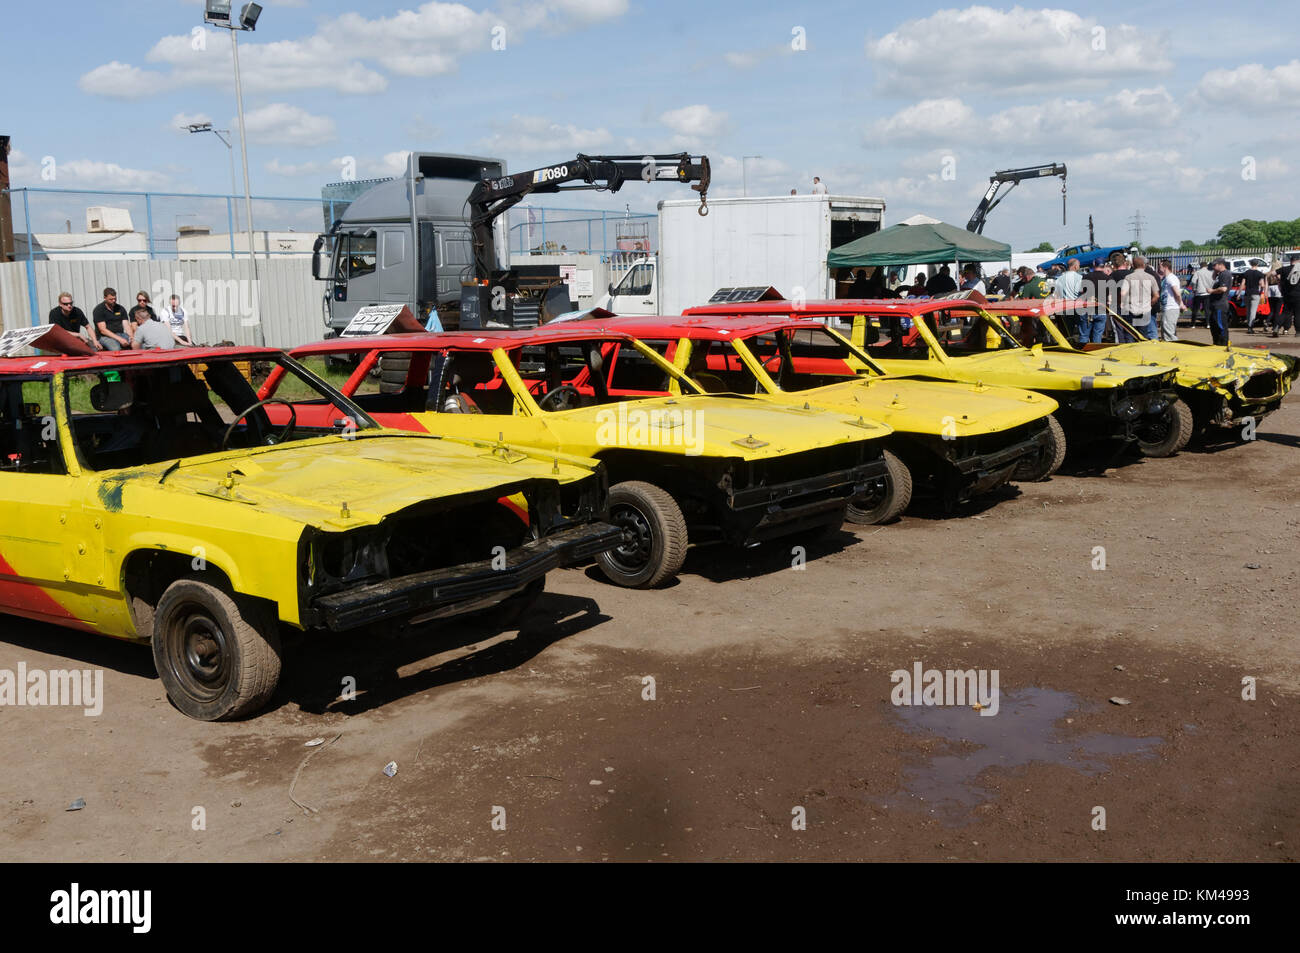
{"points": [[72, 319], [941, 284], [1254, 281], [1220, 302], [110, 320]]}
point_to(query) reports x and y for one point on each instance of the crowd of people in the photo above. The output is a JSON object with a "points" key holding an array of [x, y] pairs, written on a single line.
{"points": [[1152, 297], [111, 328]]}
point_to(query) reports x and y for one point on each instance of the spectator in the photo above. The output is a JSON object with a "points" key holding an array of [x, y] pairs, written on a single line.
{"points": [[1139, 292], [1275, 301], [1034, 285], [73, 320], [1290, 283], [918, 286], [1220, 303], [941, 283], [971, 280], [1201, 283], [1171, 301], [142, 301], [1255, 285], [1001, 283], [860, 288], [150, 333], [1069, 287], [1098, 288], [819, 187], [176, 319], [110, 319], [794, 192]]}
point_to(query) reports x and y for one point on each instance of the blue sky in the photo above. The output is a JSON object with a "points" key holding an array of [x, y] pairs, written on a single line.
{"points": [[1184, 112]]}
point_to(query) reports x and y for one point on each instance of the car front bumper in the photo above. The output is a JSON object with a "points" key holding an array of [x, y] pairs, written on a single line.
{"points": [[462, 588]]}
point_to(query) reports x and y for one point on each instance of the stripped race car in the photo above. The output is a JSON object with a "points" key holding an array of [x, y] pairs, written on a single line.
{"points": [[688, 468], [953, 441], [953, 339], [149, 496], [1222, 385]]}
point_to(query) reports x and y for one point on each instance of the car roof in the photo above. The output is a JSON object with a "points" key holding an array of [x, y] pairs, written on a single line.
{"points": [[1035, 305], [715, 327], [835, 306], [464, 340], [109, 360]]}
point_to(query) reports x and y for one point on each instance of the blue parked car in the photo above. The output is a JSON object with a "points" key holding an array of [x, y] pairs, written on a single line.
{"points": [[1089, 254]]}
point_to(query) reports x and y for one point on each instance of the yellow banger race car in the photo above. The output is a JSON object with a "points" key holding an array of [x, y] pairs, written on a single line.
{"points": [[953, 339], [683, 469], [149, 496], [952, 440], [1223, 385]]}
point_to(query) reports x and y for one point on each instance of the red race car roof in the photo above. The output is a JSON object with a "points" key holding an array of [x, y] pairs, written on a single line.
{"points": [[109, 360], [1037, 305], [465, 340], [836, 306], [711, 327]]}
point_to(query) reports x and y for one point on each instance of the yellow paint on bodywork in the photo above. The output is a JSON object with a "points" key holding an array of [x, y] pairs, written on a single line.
{"points": [[241, 512]]}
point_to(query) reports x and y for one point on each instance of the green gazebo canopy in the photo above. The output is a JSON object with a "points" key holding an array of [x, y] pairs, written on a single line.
{"points": [[918, 245]]}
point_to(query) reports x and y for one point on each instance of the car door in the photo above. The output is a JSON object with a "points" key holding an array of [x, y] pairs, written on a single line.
{"points": [[51, 549]]}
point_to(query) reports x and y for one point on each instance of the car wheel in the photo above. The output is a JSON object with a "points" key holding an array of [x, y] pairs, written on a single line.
{"points": [[888, 498], [1169, 433], [1050, 458], [654, 536], [218, 659]]}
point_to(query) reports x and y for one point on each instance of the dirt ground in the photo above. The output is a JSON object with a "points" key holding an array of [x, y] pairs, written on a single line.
{"points": [[771, 694]]}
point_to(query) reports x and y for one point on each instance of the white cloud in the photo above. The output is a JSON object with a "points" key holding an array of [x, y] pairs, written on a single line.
{"points": [[119, 81], [1013, 49], [538, 135], [692, 123], [284, 125], [1251, 86], [748, 59], [1114, 121], [82, 173], [346, 53]]}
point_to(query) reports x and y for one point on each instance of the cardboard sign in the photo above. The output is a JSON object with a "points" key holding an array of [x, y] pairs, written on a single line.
{"points": [[744, 295], [376, 319], [19, 339]]}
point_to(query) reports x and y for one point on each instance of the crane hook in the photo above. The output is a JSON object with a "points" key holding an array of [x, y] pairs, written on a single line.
{"points": [[703, 210]]}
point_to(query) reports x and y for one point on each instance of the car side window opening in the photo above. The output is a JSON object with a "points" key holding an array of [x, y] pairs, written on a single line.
{"points": [[466, 382], [634, 371], [29, 438], [140, 415]]}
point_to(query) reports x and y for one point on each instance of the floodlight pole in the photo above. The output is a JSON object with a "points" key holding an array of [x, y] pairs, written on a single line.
{"points": [[248, 197]]}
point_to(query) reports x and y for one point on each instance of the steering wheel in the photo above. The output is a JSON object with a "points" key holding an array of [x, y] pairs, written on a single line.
{"points": [[284, 434], [556, 394]]}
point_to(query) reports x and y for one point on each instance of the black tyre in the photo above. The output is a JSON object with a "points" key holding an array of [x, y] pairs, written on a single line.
{"points": [[655, 537], [217, 658], [887, 500], [1169, 433], [1049, 461]]}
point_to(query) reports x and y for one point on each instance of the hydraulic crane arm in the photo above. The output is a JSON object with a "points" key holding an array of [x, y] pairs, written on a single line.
{"points": [[1011, 178], [492, 197]]}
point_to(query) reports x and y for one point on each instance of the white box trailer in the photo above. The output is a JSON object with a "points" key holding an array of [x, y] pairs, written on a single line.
{"points": [[781, 241]]}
